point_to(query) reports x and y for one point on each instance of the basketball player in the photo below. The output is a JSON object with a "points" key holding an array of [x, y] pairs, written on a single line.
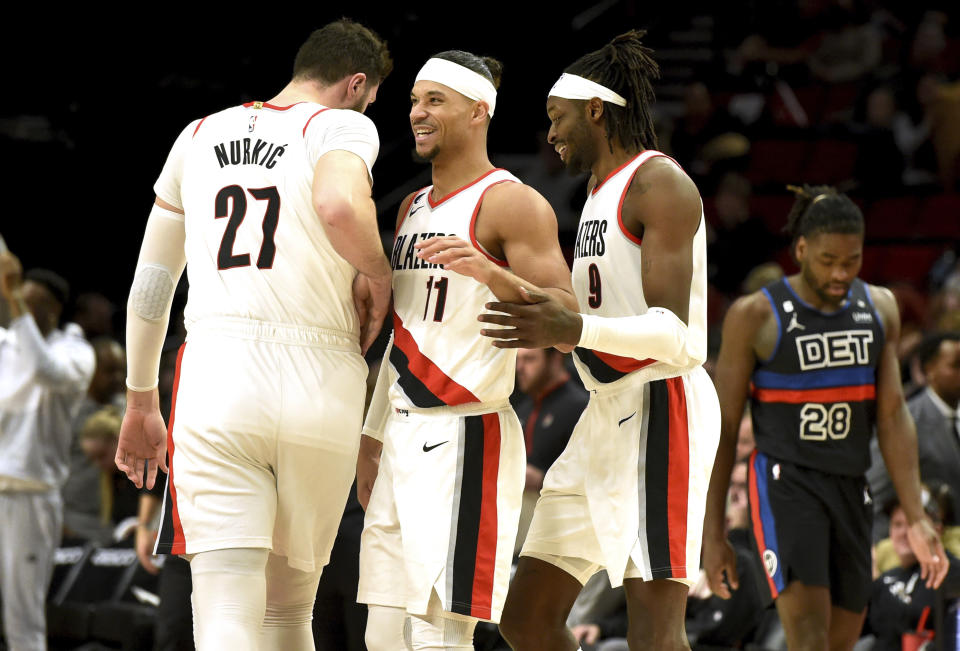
{"points": [[442, 517], [269, 206], [819, 349], [628, 492]]}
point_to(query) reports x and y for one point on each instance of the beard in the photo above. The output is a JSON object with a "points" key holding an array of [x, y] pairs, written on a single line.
{"points": [[821, 289], [581, 156], [425, 157]]}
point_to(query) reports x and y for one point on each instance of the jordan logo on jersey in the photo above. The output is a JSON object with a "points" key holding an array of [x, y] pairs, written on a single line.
{"points": [[795, 323]]}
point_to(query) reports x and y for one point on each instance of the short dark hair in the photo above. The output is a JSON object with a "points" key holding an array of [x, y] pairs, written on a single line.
{"points": [[487, 67], [54, 283], [625, 66], [936, 497], [929, 348], [343, 48], [822, 209]]}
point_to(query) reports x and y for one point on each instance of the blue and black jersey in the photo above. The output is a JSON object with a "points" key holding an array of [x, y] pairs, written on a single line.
{"points": [[814, 400]]}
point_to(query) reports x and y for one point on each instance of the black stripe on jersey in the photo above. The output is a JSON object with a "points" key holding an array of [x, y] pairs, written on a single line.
{"points": [[165, 535], [600, 370], [416, 390], [657, 480], [468, 516]]}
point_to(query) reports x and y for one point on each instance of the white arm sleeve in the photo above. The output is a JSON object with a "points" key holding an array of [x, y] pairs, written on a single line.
{"points": [[342, 129], [159, 267], [659, 334], [379, 404]]}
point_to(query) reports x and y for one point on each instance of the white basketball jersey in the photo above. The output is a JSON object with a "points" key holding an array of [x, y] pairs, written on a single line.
{"points": [[255, 247], [439, 356], [607, 279]]}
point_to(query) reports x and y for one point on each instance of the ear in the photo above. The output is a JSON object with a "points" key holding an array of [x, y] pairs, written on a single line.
{"points": [[356, 85], [800, 248], [480, 112], [594, 110]]}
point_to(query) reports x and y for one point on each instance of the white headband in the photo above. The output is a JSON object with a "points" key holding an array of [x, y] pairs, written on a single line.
{"points": [[574, 87], [461, 79]]}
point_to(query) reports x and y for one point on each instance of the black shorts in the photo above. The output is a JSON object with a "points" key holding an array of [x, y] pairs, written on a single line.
{"points": [[813, 527]]}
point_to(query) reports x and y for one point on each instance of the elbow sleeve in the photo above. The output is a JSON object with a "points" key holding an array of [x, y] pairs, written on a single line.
{"points": [[659, 334]]}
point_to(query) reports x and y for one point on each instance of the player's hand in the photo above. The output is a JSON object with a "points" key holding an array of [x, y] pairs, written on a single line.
{"points": [[719, 559], [926, 546], [11, 275], [144, 546], [368, 466], [142, 447], [542, 322], [371, 298], [586, 633], [457, 255]]}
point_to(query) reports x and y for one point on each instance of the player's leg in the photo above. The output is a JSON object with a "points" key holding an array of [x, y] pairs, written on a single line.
{"points": [[845, 628], [538, 603], [441, 632], [656, 611], [387, 629], [805, 615], [229, 598], [289, 607]]}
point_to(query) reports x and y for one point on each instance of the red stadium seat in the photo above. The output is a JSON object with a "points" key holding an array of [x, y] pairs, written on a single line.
{"points": [[908, 263], [776, 161], [940, 217], [772, 210], [830, 162], [892, 218]]}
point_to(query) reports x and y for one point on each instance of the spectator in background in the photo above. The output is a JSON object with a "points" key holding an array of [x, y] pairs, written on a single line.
{"points": [[880, 163], [549, 407], [82, 491], [934, 410], [700, 136], [94, 313], [44, 372], [899, 596], [850, 46], [738, 242]]}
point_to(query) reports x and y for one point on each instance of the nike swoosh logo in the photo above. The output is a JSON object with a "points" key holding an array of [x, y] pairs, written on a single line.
{"points": [[427, 448], [623, 420], [415, 210]]}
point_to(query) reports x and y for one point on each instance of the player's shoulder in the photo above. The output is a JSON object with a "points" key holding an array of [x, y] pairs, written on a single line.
{"points": [[661, 187], [326, 117], [752, 308], [512, 195], [666, 176], [885, 303]]}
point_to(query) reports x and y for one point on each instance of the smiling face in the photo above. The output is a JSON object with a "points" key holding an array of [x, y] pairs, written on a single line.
{"points": [[439, 118], [570, 134], [828, 264]]}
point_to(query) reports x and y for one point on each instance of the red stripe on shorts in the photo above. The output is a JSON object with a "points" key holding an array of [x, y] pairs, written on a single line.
{"points": [[755, 516], [678, 472], [486, 562], [179, 545]]}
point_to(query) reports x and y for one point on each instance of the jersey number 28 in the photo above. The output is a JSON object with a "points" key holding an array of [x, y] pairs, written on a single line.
{"points": [[817, 421], [235, 197]]}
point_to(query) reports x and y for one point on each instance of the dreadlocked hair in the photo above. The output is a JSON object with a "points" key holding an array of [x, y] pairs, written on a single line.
{"points": [[625, 66], [822, 209]]}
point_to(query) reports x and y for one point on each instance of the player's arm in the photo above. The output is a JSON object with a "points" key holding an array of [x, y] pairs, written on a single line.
{"points": [[734, 368], [371, 439], [146, 536], [142, 446], [897, 439], [517, 224]]}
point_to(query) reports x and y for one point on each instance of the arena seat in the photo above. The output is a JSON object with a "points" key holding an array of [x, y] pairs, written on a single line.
{"points": [[776, 161], [830, 162]]}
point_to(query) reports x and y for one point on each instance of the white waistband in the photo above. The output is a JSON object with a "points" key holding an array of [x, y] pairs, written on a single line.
{"points": [[283, 333], [469, 409]]}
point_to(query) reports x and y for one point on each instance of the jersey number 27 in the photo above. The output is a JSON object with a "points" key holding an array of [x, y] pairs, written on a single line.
{"points": [[235, 198]]}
